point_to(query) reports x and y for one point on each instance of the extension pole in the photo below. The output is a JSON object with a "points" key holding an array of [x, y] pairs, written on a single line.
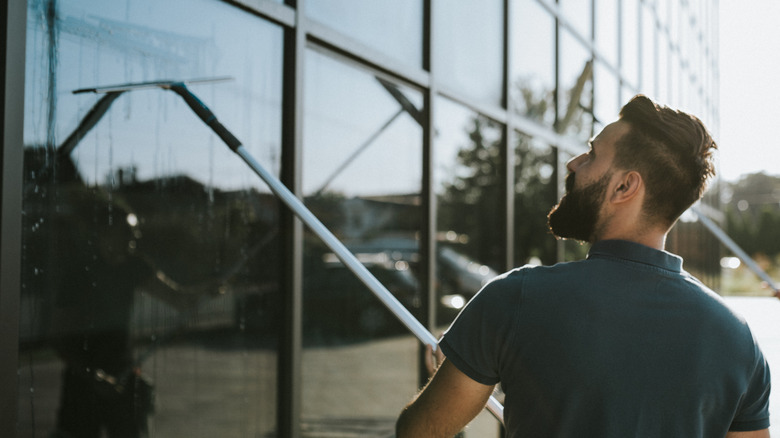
{"points": [[350, 261], [307, 217]]}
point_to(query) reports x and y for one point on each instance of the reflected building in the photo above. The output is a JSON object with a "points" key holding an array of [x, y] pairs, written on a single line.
{"points": [[150, 275]]}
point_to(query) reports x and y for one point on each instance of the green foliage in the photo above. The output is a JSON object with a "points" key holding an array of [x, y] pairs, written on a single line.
{"points": [[471, 203]]}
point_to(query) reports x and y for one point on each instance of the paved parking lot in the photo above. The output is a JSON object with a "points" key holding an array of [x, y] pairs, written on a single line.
{"points": [[226, 390]]}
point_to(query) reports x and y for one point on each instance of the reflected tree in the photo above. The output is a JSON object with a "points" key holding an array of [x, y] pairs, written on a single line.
{"points": [[470, 201], [535, 193]]}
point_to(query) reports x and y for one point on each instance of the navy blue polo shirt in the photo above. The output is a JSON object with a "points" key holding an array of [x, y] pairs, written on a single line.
{"points": [[624, 343]]}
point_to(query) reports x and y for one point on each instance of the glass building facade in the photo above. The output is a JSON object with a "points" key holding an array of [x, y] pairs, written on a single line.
{"points": [[152, 282]]}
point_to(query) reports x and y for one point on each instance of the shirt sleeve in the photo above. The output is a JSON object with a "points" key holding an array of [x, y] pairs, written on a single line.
{"points": [[475, 341], [753, 411]]}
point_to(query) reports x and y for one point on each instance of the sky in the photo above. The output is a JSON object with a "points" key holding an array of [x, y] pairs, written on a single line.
{"points": [[749, 88]]}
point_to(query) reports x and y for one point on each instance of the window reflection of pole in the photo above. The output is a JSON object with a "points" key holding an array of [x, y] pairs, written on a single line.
{"points": [[357, 152], [406, 106], [306, 216], [165, 288], [93, 116], [575, 97]]}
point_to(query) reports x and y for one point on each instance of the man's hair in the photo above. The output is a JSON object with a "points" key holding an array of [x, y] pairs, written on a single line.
{"points": [[672, 151]]}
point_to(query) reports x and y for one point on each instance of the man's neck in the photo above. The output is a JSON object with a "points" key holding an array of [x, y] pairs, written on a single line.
{"points": [[653, 239]]}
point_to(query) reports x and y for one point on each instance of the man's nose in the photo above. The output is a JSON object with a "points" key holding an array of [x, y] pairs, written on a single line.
{"points": [[575, 162]]}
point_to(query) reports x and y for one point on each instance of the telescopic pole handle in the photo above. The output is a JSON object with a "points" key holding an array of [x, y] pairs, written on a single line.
{"points": [[311, 221], [494, 406]]}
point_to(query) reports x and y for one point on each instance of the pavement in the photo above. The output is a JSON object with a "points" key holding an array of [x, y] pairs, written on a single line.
{"points": [[227, 388]]}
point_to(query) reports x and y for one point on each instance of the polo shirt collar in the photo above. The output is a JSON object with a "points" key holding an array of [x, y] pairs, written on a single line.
{"points": [[636, 252]]}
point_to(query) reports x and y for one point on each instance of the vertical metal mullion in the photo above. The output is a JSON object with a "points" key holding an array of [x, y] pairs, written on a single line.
{"points": [[290, 382], [12, 53], [428, 235], [619, 36], [560, 166], [507, 154]]}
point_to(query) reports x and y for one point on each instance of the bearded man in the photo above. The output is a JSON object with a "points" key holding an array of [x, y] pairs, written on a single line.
{"points": [[624, 343]]}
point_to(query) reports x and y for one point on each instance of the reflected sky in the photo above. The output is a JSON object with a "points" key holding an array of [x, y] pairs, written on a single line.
{"points": [[154, 130], [532, 64], [453, 123], [574, 97], [359, 140], [468, 47], [606, 29], [394, 28]]}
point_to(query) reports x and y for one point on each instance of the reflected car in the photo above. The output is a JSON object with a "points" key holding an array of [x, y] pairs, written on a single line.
{"points": [[337, 303]]}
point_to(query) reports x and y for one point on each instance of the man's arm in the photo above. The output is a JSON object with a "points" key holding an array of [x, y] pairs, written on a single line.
{"points": [[445, 406], [763, 433]]}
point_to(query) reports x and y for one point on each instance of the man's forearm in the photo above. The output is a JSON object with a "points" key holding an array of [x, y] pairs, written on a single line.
{"points": [[414, 424]]}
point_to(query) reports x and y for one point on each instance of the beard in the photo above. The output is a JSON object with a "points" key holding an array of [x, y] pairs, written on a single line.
{"points": [[577, 213]]}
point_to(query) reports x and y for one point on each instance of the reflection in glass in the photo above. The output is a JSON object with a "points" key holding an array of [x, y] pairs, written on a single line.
{"points": [[575, 96], [666, 69], [607, 88], [532, 61], [468, 47], [362, 176], [467, 181], [578, 13], [606, 29], [649, 72], [394, 28], [535, 193], [468, 187], [150, 260], [673, 20], [629, 47]]}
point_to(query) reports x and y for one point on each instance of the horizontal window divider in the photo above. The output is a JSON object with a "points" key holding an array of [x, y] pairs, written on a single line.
{"points": [[494, 112], [321, 36], [270, 10]]}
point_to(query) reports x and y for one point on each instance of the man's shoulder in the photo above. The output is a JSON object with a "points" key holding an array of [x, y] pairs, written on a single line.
{"points": [[531, 277], [560, 271]]}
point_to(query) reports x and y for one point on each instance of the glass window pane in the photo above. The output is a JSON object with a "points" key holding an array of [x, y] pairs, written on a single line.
{"points": [[578, 13], [468, 53], [362, 176], [532, 61], [675, 17], [606, 103], [666, 82], [576, 82], [148, 246], [467, 183], [535, 194], [649, 70], [630, 42], [607, 29], [467, 178], [394, 28]]}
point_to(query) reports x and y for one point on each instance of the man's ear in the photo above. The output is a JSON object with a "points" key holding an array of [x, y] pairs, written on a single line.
{"points": [[627, 186]]}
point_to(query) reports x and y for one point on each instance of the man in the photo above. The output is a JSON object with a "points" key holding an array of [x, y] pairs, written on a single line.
{"points": [[624, 343]]}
